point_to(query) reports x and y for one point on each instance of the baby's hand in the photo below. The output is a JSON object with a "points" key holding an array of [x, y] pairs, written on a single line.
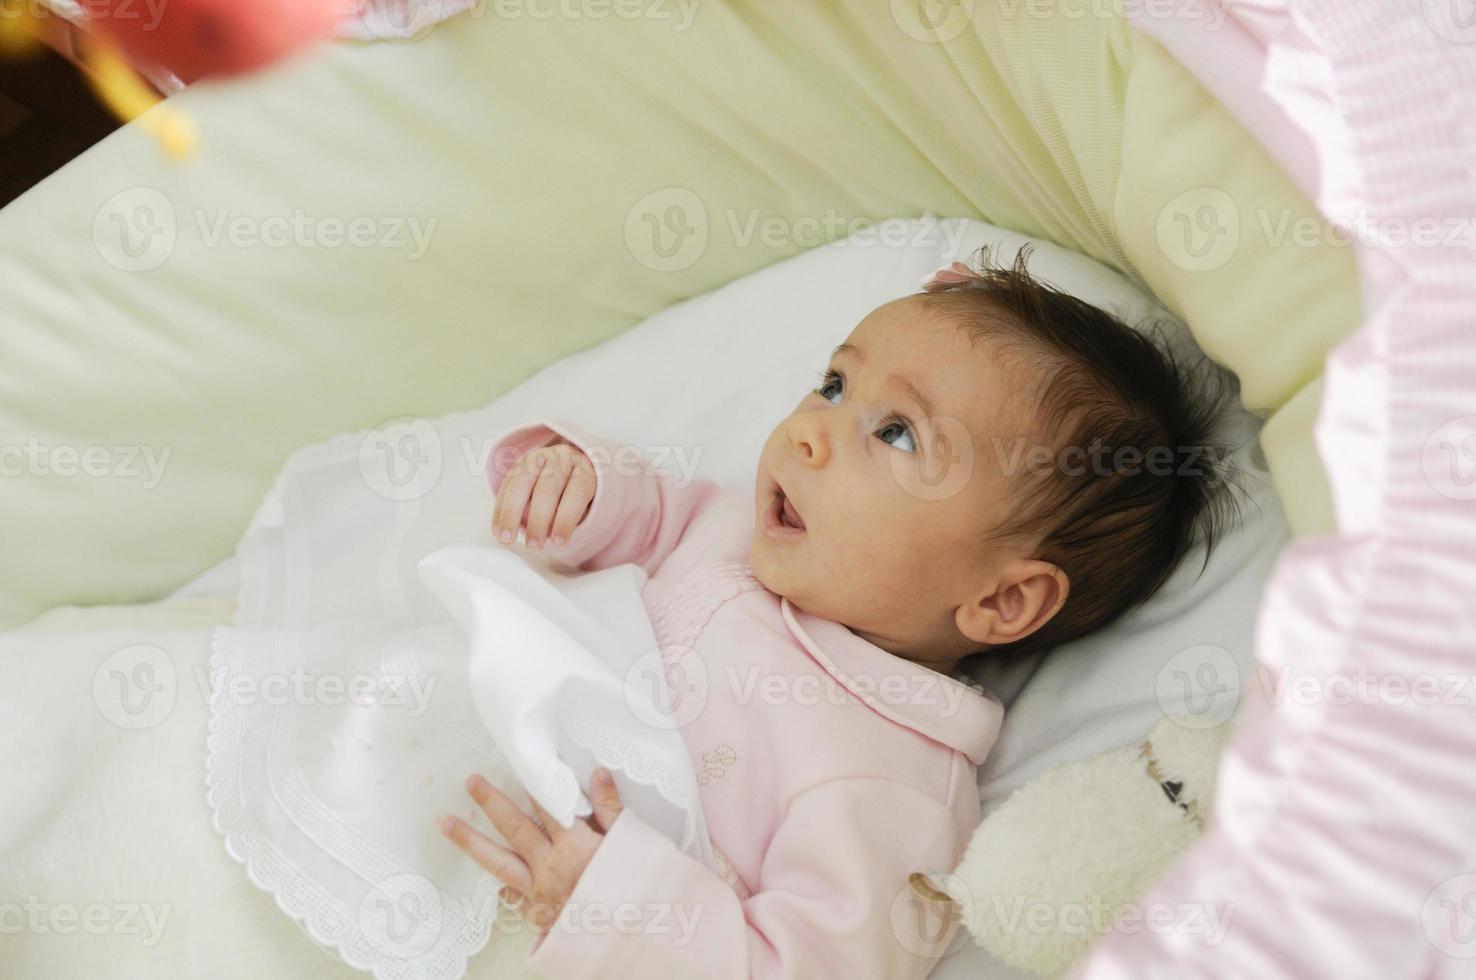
{"points": [[560, 480], [544, 859]]}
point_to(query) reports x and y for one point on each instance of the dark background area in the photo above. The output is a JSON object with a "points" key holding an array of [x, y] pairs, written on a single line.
{"points": [[48, 115]]}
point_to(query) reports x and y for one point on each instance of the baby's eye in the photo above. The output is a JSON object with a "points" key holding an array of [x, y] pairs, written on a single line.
{"points": [[900, 430], [895, 424], [827, 378]]}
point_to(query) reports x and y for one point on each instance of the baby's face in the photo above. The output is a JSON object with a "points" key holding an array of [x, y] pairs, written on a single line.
{"points": [[892, 466]]}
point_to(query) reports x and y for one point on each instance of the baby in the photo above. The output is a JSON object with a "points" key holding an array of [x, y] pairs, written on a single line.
{"points": [[990, 466]]}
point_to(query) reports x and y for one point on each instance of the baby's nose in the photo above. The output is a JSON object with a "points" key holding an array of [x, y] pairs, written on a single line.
{"points": [[809, 439]]}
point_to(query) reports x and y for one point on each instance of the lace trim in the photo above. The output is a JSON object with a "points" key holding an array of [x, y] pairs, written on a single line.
{"points": [[466, 926]]}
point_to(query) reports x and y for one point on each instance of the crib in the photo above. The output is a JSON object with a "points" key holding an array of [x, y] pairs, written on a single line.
{"points": [[505, 191]]}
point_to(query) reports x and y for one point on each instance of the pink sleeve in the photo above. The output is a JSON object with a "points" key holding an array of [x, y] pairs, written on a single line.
{"points": [[638, 514], [833, 898]]}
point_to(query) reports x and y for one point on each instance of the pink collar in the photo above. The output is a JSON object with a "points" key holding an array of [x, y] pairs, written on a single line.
{"points": [[961, 716]]}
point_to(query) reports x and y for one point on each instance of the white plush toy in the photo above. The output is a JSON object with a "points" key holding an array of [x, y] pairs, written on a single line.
{"points": [[1050, 869]]}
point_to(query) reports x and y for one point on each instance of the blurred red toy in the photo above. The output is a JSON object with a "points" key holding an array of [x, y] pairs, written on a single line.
{"points": [[192, 39], [198, 38]]}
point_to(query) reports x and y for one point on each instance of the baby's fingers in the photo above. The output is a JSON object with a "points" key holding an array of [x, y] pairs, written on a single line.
{"points": [[504, 865], [575, 502], [546, 495], [512, 496]]}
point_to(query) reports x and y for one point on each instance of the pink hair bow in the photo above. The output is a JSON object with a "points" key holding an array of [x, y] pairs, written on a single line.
{"points": [[949, 277]]}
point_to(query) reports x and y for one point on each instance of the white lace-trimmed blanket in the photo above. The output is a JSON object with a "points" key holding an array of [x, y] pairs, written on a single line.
{"points": [[384, 649]]}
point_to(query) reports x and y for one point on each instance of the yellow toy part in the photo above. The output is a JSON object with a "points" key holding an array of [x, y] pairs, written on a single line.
{"points": [[115, 83]]}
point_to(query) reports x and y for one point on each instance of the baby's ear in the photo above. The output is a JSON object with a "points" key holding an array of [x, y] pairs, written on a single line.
{"points": [[1022, 600]]}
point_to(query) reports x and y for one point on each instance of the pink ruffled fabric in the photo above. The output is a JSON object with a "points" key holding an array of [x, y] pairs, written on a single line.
{"points": [[1343, 838]]}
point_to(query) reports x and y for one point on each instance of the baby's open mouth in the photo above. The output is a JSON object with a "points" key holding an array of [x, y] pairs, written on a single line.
{"points": [[788, 516], [782, 514]]}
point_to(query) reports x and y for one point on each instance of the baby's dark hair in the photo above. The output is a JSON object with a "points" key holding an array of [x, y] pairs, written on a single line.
{"points": [[1117, 525]]}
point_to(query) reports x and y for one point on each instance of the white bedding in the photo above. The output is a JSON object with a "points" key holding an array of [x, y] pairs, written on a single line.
{"points": [[99, 811]]}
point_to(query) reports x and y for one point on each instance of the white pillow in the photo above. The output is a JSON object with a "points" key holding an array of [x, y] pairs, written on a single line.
{"points": [[710, 377]]}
